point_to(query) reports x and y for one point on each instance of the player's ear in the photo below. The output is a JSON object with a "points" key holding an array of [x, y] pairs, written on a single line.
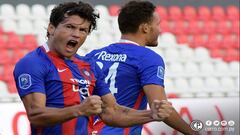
{"points": [[144, 27], [51, 29]]}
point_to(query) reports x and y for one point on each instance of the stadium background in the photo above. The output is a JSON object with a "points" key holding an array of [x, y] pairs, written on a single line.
{"points": [[199, 42]]}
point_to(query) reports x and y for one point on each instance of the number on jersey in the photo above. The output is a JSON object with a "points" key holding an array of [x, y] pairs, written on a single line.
{"points": [[111, 76]]}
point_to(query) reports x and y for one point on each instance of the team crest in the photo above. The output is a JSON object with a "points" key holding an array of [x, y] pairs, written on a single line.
{"points": [[160, 73], [86, 73], [24, 81]]}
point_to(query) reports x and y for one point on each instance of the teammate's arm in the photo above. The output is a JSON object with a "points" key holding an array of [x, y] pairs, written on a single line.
{"points": [[115, 115], [156, 92], [39, 115]]}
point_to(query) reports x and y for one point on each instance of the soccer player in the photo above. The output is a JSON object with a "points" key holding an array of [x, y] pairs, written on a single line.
{"points": [[134, 73], [60, 89]]}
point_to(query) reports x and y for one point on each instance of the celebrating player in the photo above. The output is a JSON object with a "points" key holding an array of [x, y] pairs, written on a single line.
{"points": [[60, 89], [135, 74]]}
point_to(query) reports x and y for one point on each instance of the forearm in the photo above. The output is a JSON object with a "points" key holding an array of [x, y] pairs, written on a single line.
{"points": [[122, 116], [39, 115], [176, 122], [50, 116]]}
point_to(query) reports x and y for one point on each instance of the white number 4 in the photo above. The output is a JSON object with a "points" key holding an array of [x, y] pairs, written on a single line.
{"points": [[111, 76]]}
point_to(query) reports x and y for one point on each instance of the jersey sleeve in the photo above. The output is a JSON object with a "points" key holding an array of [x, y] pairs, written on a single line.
{"points": [[101, 87], [151, 69], [29, 76]]}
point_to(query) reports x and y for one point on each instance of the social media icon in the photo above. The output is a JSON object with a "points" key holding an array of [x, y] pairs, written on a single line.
{"points": [[231, 123], [216, 123], [208, 122], [196, 125], [224, 123]]}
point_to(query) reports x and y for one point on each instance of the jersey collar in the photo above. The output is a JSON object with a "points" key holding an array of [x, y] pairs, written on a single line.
{"points": [[47, 50], [45, 46], [127, 41]]}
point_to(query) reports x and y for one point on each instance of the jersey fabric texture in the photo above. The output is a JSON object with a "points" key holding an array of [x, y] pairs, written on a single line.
{"points": [[65, 82], [128, 67]]}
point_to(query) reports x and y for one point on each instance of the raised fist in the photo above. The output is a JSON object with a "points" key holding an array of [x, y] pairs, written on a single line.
{"points": [[92, 105], [161, 109]]}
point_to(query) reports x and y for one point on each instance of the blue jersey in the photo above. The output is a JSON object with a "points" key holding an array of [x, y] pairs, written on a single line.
{"points": [[128, 67], [64, 82]]}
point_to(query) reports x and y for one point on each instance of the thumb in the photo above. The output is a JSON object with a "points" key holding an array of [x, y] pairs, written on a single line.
{"points": [[156, 104]]}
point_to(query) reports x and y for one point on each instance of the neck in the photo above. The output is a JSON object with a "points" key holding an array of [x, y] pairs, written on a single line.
{"points": [[53, 50], [49, 43], [135, 38]]}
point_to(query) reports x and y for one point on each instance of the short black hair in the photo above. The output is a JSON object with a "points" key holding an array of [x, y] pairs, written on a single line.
{"points": [[133, 14], [84, 10]]}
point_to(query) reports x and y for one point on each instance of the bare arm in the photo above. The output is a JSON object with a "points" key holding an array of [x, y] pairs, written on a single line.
{"points": [[156, 92], [40, 115], [120, 116]]}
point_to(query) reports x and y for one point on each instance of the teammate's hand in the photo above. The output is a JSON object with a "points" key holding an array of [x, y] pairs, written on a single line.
{"points": [[92, 105], [161, 109]]}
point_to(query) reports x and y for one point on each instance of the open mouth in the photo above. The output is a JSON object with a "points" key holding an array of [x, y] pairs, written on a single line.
{"points": [[71, 46], [72, 43]]}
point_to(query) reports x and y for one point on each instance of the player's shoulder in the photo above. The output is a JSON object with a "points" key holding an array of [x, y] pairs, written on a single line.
{"points": [[35, 57], [87, 61], [149, 57], [150, 51], [136, 50], [147, 53], [95, 52]]}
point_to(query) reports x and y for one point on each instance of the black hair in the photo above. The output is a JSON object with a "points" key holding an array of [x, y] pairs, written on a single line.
{"points": [[84, 10], [133, 14]]}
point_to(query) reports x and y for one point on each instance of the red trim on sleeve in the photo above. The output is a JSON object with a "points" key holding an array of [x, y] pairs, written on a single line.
{"points": [[126, 131]]}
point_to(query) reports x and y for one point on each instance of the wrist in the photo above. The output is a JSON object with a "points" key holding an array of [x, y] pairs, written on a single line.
{"points": [[150, 115], [77, 111]]}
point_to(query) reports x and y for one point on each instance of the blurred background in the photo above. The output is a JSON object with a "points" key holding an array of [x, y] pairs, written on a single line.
{"points": [[199, 43]]}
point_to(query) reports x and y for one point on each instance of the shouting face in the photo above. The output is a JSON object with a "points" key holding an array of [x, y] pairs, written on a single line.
{"points": [[68, 36]]}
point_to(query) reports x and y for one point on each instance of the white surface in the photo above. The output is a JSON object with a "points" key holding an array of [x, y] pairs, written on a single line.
{"points": [[13, 115]]}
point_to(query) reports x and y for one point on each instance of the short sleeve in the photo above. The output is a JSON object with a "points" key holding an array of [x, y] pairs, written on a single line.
{"points": [[29, 76], [101, 88], [151, 69]]}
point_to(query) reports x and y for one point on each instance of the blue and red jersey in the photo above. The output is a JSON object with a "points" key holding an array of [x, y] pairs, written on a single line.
{"points": [[65, 82], [128, 67]]}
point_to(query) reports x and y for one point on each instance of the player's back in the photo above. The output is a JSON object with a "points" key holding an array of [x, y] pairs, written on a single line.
{"points": [[126, 68]]}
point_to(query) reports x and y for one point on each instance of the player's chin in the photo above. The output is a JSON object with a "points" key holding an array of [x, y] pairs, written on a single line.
{"points": [[69, 55]]}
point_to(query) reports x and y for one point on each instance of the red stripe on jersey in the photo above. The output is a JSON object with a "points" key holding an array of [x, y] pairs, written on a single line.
{"points": [[39, 131], [96, 128], [70, 97], [90, 127], [136, 106], [85, 71], [126, 131], [139, 100]]}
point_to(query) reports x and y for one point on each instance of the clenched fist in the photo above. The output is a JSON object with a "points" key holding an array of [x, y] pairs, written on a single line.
{"points": [[92, 105], [161, 109]]}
